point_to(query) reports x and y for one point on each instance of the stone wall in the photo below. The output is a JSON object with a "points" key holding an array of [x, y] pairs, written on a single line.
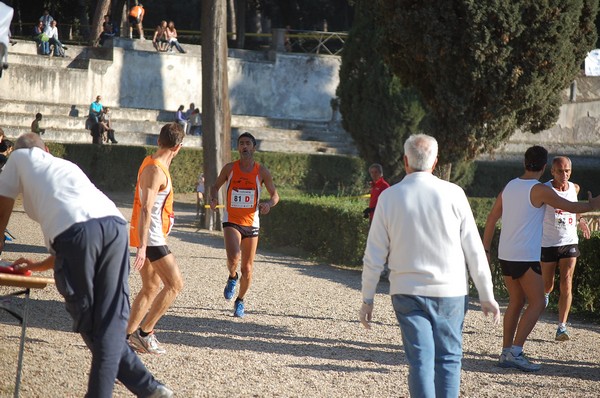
{"points": [[276, 85], [132, 74]]}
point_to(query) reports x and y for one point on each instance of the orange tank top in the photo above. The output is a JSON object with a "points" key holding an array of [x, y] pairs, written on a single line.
{"points": [[243, 194], [162, 215]]}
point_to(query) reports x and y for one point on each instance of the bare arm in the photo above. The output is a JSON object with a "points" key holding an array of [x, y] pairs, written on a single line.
{"points": [[23, 263], [267, 179], [581, 223], [152, 180], [213, 193], [542, 194], [490, 225]]}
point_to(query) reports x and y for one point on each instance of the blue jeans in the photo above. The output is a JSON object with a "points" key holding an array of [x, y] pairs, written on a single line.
{"points": [[44, 47], [432, 338], [91, 271]]}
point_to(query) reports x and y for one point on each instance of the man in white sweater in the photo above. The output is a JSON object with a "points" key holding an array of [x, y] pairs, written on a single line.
{"points": [[424, 229]]}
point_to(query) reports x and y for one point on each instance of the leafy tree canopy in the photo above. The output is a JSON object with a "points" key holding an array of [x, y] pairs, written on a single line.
{"points": [[378, 112], [487, 67]]}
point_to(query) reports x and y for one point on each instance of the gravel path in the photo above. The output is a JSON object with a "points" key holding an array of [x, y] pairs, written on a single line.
{"points": [[300, 337]]}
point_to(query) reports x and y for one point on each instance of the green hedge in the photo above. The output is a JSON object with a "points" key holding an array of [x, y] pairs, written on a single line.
{"points": [[114, 168], [330, 229]]}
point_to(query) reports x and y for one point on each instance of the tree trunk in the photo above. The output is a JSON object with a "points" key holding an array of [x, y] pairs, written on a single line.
{"points": [[216, 114], [232, 20], [241, 23], [443, 171], [101, 10], [84, 28], [118, 16]]}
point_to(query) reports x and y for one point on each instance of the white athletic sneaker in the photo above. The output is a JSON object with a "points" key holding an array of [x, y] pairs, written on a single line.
{"points": [[161, 392], [148, 344], [518, 362]]}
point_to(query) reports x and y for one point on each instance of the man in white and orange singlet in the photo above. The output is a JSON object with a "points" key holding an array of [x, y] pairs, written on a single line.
{"points": [[151, 222], [244, 179]]}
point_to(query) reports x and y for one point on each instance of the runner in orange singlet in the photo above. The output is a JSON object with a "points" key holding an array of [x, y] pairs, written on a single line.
{"points": [[244, 179], [151, 222]]}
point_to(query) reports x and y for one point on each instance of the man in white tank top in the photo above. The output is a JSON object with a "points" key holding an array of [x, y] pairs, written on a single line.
{"points": [[521, 206], [559, 242]]}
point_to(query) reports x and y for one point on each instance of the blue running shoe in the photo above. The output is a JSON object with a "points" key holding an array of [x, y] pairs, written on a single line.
{"points": [[238, 308], [230, 288], [562, 334]]}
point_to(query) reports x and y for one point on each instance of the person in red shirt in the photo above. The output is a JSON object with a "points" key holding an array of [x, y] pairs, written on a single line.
{"points": [[378, 185]]}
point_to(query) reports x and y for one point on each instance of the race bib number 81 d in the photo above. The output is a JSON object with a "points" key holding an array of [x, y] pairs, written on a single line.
{"points": [[242, 198]]}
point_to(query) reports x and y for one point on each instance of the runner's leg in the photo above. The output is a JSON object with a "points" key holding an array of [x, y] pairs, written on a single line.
{"points": [[249, 246]]}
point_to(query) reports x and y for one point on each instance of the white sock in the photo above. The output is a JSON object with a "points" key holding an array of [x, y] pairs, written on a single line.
{"points": [[516, 350], [562, 325]]}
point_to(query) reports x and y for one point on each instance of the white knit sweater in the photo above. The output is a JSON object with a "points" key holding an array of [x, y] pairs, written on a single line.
{"points": [[424, 229]]}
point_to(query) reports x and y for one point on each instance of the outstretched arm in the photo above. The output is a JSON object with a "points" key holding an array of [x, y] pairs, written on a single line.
{"points": [[542, 194]]}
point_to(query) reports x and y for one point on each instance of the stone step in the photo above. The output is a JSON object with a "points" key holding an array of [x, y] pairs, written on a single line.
{"points": [[136, 138], [52, 122], [136, 114], [65, 135], [60, 122]]}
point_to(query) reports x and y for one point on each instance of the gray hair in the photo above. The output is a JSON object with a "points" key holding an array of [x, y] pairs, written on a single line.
{"points": [[421, 151], [29, 140], [377, 166]]}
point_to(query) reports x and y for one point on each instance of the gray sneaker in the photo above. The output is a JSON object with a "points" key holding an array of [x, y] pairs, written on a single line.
{"points": [[148, 344], [502, 361], [520, 362], [161, 392]]}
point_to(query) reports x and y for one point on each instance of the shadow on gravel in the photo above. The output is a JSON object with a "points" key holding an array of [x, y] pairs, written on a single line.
{"points": [[349, 277], [235, 335], [43, 314], [550, 367], [12, 247], [341, 369]]}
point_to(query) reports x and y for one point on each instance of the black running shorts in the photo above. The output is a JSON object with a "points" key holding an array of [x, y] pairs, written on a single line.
{"points": [[154, 253], [246, 232], [553, 254], [517, 269]]}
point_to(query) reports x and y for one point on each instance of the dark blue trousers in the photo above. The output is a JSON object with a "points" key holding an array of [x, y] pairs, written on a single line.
{"points": [[91, 272]]}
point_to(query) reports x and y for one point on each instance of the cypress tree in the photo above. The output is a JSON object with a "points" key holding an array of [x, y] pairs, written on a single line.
{"points": [[377, 111], [485, 68]]}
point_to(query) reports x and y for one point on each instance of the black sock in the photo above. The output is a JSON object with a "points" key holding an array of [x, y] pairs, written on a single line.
{"points": [[144, 334], [127, 337], [234, 277], [237, 300]]}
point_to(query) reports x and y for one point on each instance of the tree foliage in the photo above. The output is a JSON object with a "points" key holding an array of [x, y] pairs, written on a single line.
{"points": [[485, 68], [378, 112]]}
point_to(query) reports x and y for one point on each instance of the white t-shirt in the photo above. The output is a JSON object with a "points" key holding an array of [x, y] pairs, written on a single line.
{"points": [[56, 192], [560, 226], [521, 234]]}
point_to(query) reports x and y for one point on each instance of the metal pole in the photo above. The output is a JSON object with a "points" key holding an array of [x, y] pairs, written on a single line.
{"points": [[22, 345]]}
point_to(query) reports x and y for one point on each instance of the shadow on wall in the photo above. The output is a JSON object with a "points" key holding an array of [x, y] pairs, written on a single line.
{"points": [[131, 79]]}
